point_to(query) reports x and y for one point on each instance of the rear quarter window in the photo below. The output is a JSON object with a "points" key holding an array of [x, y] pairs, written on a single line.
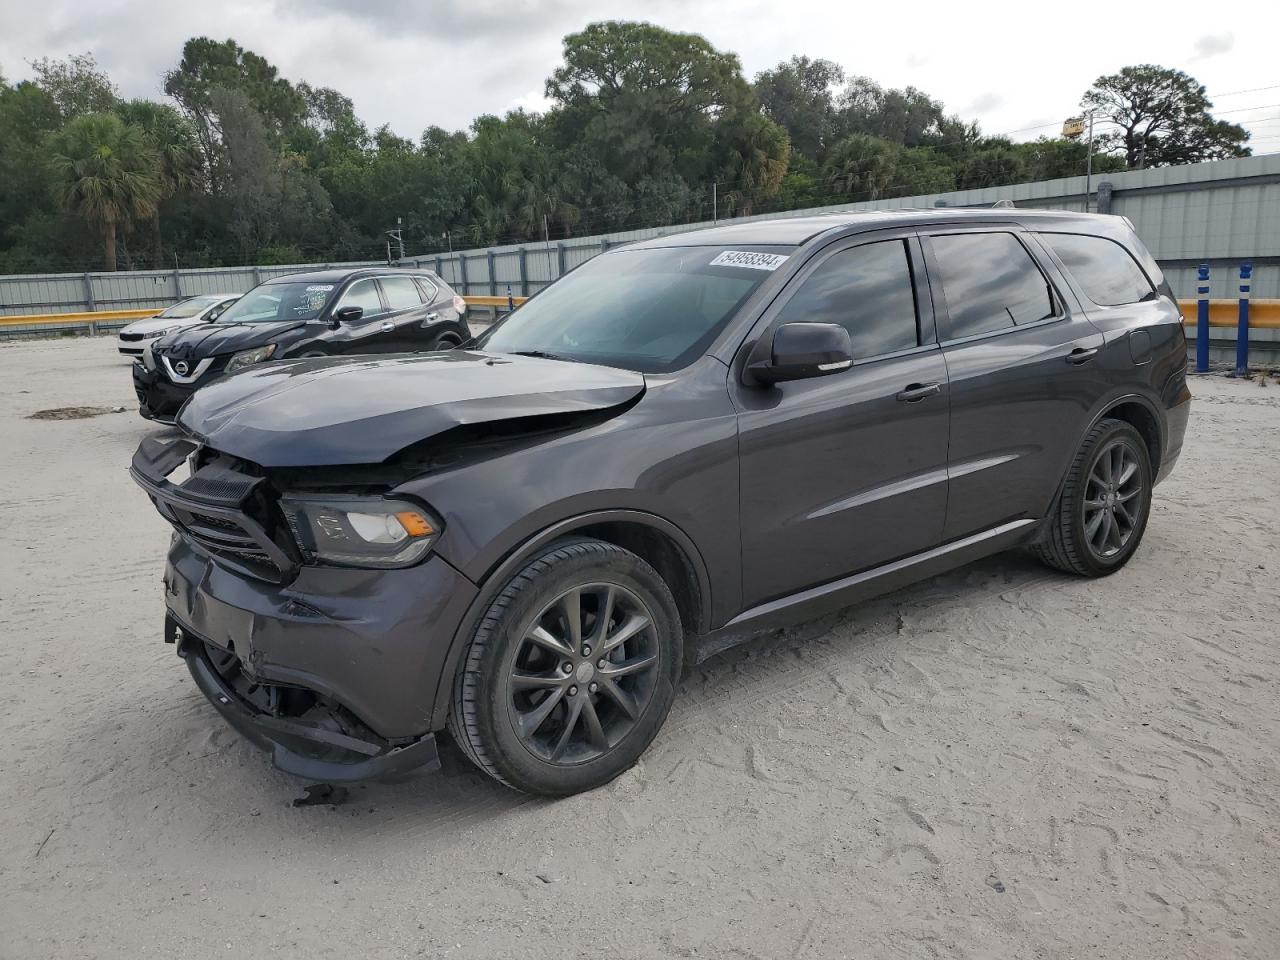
{"points": [[1105, 270]]}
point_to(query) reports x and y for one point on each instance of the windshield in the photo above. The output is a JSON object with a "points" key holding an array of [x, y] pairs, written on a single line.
{"points": [[188, 308], [270, 302], [652, 310]]}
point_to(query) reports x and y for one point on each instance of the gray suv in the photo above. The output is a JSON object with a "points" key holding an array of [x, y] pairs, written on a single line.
{"points": [[682, 443]]}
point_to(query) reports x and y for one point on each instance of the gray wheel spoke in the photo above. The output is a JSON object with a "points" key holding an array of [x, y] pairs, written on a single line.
{"points": [[1126, 497], [571, 605], [1094, 504], [625, 669], [594, 730], [1123, 512], [570, 724], [543, 638], [1126, 473], [1113, 530], [533, 720], [620, 697], [1103, 469], [602, 621], [536, 681], [626, 630], [1094, 524]]}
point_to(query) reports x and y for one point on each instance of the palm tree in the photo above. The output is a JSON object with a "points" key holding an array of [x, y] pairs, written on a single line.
{"points": [[107, 172], [174, 141]]}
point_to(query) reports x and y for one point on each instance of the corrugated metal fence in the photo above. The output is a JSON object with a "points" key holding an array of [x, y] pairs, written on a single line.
{"points": [[1221, 213]]}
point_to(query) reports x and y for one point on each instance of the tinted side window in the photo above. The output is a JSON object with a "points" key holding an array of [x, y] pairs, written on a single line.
{"points": [[401, 292], [429, 290], [990, 282], [1105, 270], [867, 290], [364, 294]]}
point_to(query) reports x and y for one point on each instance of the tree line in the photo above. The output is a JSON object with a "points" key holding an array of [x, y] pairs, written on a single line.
{"points": [[645, 126]]}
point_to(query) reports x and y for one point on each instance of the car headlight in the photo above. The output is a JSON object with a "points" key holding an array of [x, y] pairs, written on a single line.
{"points": [[164, 333], [360, 531], [148, 358], [247, 358]]}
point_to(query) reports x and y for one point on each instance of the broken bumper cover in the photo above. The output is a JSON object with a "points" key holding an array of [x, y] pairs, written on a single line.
{"points": [[299, 748], [158, 397], [351, 659]]}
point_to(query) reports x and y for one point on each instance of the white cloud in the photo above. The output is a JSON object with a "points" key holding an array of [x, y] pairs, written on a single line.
{"points": [[415, 63]]}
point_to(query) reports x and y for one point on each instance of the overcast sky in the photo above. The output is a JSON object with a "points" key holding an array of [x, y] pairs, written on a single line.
{"points": [[1017, 68]]}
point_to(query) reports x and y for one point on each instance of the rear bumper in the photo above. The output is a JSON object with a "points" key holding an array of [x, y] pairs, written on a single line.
{"points": [[1176, 416], [158, 397]]}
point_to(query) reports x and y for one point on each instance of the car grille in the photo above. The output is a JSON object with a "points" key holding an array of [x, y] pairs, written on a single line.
{"points": [[222, 512], [131, 337]]}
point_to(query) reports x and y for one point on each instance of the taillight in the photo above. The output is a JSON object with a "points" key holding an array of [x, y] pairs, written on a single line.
{"points": [[460, 305]]}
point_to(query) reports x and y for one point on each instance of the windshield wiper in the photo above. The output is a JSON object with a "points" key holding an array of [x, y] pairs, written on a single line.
{"points": [[541, 355]]}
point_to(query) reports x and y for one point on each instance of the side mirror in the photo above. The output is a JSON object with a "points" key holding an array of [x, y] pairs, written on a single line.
{"points": [[802, 350], [348, 314]]}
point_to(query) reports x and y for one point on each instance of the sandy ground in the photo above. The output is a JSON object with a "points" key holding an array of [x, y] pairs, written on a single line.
{"points": [[1002, 762]]}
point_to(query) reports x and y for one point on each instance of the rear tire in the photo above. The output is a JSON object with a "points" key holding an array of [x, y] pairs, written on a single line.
{"points": [[534, 705], [446, 341], [1101, 513]]}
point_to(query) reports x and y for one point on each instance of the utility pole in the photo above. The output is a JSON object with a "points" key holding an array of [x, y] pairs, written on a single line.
{"points": [[546, 238], [398, 236], [1088, 165], [715, 202]]}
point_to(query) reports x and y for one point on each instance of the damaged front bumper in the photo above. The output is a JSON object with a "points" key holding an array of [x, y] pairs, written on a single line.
{"points": [[319, 747], [334, 669], [159, 398]]}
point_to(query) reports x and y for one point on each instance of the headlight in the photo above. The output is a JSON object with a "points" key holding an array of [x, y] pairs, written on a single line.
{"points": [[148, 358], [360, 531], [247, 358], [165, 332]]}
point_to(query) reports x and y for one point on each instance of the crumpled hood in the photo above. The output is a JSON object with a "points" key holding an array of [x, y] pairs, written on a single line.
{"points": [[328, 412], [215, 339]]}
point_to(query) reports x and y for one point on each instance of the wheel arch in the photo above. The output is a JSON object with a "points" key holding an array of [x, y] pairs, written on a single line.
{"points": [[657, 541], [1137, 411]]}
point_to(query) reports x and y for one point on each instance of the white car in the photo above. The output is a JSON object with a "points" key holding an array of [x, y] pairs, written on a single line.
{"points": [[187, 313]]}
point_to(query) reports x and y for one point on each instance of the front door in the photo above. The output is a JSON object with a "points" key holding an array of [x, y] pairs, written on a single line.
{"points": [[1020, 358], [843, 473], [374, 332]]}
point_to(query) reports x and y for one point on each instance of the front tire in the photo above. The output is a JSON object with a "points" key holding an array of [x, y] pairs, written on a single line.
{"points": [[571, 672], [1101, 514]]}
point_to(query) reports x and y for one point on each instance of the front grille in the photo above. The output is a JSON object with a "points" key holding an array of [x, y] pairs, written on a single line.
{"points": [[223, 512], [132, 337]]}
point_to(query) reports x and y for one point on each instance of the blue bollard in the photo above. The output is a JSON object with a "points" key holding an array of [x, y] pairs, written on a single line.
{"points": [[1202, 321], [1242, 325]]}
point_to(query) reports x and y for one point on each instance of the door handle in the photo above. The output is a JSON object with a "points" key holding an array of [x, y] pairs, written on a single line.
{"points": [[387, 326], [1082, 354], [917, 391]]}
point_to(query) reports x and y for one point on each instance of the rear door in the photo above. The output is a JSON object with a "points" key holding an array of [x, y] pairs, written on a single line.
{"points": [[407, 315], [1020, 358], [845, 472]]}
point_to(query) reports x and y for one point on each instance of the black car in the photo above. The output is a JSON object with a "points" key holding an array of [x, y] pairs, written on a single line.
{"points": [[319, 314], [682, 443]]}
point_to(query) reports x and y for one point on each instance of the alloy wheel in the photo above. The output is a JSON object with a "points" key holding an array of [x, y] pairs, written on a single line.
{"points": [[1112, 504], [583, 673]]}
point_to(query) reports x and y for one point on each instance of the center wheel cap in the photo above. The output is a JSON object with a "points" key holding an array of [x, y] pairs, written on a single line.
{"points": [[585, 671]]}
